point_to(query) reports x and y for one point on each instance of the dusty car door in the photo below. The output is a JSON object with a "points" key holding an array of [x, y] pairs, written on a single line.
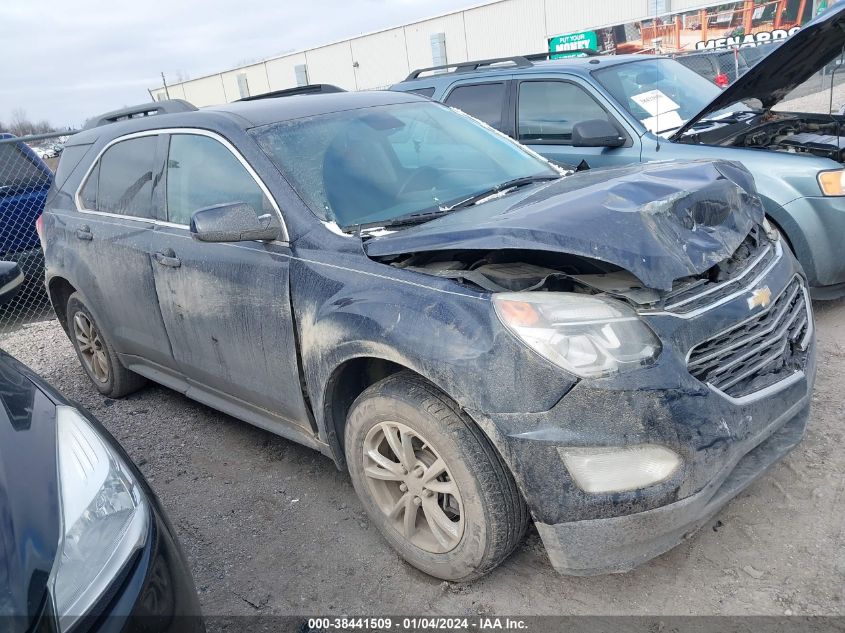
{"points": [[109, 237], [225, 306]]}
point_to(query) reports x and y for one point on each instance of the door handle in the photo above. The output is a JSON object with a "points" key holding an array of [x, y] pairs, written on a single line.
{"points": [[168, 258], [84, 233]]}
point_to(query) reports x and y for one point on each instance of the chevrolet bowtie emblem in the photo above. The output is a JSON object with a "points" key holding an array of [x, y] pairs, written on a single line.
{"points": [[760, 298]]}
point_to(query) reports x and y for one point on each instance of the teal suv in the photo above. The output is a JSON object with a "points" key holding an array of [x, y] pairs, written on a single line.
{"points": [[617, 110]]}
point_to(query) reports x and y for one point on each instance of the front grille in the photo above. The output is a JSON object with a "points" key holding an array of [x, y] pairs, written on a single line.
{"points": [[759, 352], [755, 254]]}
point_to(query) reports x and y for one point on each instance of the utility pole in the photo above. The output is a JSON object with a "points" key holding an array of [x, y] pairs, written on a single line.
{"points": [[163, 81]]}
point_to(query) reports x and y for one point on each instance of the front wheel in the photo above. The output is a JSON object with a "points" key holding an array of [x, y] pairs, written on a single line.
{"points": [[431, 481]]}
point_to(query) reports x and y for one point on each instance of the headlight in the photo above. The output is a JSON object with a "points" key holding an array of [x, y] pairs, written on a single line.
{"points": [[104, 517], [619, 468], [582, 334], [832, 182]]}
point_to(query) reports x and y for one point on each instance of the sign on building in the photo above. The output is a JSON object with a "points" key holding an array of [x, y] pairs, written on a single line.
{"points": [[572, 43], [719, 25]]}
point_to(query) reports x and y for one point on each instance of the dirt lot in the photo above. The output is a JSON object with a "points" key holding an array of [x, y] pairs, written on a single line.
{"points": [[271, 527]]}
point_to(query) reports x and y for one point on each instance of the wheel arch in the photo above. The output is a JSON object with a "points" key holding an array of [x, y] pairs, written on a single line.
{"points": [[347, 381], [59, 290], [791, 233]]}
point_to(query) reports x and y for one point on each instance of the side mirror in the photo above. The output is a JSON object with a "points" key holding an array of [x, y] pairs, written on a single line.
{"points": [[233, 222], [596, 133], [11, 278]]}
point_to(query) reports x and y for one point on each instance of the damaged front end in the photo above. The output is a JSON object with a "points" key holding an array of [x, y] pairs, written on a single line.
{"points": [[684, 322], [645, 234]]}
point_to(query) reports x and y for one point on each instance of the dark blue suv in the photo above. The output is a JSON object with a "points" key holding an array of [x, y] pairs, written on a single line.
{"points": [[24, 182], [475, 334]]}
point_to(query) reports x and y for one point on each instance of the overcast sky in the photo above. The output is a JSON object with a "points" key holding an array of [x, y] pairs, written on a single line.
{"points": [[65, 61]]}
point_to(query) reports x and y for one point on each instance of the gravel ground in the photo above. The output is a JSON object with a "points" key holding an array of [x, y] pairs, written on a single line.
{"points": [[271, 527]]}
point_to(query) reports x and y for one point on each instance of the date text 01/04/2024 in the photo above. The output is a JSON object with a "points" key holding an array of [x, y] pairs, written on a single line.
{"points": [[416, 624]]}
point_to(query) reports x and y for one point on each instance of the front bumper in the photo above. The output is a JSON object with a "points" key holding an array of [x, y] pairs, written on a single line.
{"points": [[618, 544], [725, 442]]}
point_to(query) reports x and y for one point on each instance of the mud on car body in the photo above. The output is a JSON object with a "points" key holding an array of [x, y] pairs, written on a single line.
{"points": [[472, 333]]}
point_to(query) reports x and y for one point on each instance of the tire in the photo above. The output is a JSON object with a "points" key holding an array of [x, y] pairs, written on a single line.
{"points": [[98, 359], [475, 492]]}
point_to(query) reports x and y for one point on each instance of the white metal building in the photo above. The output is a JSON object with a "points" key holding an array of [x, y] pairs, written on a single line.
{"points": [[494, 29]]}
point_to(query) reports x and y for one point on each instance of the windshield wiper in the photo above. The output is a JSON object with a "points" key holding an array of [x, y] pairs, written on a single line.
{"points": [[492, 191], [424, 216]]}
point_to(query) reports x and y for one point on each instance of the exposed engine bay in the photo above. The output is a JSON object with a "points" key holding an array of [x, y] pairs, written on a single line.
{"points": [[516, 270], [657, 222], [818, 135]]}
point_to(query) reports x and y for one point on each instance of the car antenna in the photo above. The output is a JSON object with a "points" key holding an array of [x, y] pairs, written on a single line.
{"points": [[830, 104], [657, 101], [832, 79]]}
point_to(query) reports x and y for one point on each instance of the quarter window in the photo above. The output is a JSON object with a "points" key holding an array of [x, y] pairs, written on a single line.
{"points": [[426, 92], [122, 181], [483, 101], [549, 109], [88, 195], [202, 172]]}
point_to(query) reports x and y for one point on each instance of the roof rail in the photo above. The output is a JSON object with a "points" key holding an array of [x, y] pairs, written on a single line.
{"points": [[309, 89], [519, 61], [169, 106]]}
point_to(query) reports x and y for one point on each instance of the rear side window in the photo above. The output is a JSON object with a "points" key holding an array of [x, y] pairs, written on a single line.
{"points": [[71, 156], [549, 109], [122, 180], [426, 92], [18, 171], [202, 172], [483, 101]]}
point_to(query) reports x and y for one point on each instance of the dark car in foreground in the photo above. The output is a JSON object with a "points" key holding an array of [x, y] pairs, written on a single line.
{"points": [[473, 333], [626, 109], [84, 544]]}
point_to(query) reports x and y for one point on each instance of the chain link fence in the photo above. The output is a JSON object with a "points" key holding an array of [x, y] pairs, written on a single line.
{"points": [[26, 174]]}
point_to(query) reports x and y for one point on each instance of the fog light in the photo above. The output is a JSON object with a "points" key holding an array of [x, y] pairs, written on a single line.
{"points": [[619, 468]]}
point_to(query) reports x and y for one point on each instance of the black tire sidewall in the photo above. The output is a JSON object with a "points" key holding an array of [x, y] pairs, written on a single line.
{"points": [[75, 305], [471, 553]]}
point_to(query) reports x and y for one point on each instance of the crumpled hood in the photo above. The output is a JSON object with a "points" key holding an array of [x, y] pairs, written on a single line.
{"points": [[659, 221], [29, 508], [788, 66]]}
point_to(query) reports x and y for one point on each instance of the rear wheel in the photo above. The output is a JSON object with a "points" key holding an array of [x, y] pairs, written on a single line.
{"points": [[96, 354], [431, 481]]}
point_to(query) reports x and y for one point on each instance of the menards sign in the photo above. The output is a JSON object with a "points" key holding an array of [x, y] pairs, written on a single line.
{"points": [[752, 39], [718, 25]]}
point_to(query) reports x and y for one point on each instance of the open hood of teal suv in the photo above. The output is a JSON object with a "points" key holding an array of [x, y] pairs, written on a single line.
{"points": [[785, 68]]}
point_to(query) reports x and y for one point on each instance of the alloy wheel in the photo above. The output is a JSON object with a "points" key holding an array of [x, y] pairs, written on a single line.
{"points": [[412, 485], [91, 348]]}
